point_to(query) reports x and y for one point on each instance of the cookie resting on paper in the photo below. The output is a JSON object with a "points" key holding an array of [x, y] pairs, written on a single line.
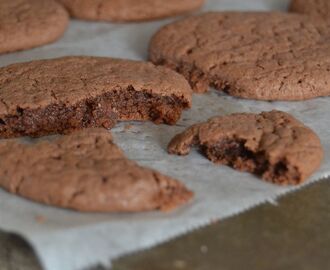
{"points": [[253, 55], [129, 10], [64, 94], [272, 145], [318, 9], [26, 24], [85, 171]]}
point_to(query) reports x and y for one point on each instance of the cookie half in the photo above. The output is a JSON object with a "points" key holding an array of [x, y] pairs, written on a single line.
{"points": [[129, 10], [319, 9], [254, 55], [30, 23], [272, 145], [85, 171], [60, 95]]}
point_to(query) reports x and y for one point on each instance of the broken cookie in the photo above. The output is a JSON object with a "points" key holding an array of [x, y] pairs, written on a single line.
{"points": [[60, 95], [272, 145], [85, 171]]}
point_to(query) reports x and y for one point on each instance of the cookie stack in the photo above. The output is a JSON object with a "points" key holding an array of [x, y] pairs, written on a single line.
{"points": [[265, 56]]}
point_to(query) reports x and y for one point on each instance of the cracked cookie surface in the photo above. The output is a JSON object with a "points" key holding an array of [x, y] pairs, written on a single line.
{"points": [[319, 9], [272, 145], [60, 95], [25, 24], [255, 55], [85, 171], [129, 10]]}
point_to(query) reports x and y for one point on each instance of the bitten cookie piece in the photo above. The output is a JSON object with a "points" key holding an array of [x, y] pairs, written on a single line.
{"points": [[317, 8], [255, 55], [85, 171], [25, 24], [273, 145], [129, 10], [60, 95]]}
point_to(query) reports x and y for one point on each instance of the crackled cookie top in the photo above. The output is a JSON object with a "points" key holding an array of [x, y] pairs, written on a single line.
{"points": [[56, 95], [71, 79], [319, 9], [256, 55], [273, 145], [26, 24], [85, 171], [129, 10]]}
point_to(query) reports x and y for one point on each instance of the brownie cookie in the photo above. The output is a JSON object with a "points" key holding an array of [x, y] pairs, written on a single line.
{"points": [[272, 145], [59, 95], [129, 10], [315, 8], [25, 24], [255, 55], [85, 171]]}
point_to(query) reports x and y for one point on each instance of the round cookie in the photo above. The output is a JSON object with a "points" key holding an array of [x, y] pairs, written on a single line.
{"points": [[273, 145], [255, 55], [129, 10], [85, 171], [316, 8], [30, 23], [63, 94]]}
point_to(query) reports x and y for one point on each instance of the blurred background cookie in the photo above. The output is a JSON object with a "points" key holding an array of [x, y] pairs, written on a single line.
{"points": [[316, 8], [30, 23], [254, 55]]}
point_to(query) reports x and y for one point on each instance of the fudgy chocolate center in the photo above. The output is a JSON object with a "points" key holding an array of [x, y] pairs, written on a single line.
{"points": [[234, 153], [101, 111]]}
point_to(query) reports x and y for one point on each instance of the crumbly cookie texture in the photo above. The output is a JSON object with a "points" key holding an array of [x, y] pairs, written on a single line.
{"points": [[64, 94], [319, 9], [30, 23], [129, 10], [254, 55], [272, 145], [85, 171]]}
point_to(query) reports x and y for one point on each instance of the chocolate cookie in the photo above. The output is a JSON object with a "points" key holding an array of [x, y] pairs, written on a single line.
{"points": [[25, 24], [273, 145], [258, 55], [59, 95], [85, 171], [315, 8], [129, 10]]}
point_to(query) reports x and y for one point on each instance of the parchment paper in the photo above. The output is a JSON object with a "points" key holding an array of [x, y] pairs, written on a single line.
{"points": [[66, 240]]}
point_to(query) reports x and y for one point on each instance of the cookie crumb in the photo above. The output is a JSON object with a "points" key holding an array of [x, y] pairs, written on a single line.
{"points": [[128, 127], [40, 219]]}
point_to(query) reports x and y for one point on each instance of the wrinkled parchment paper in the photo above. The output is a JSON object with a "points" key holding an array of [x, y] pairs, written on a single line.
{"points": [[66, 240]]}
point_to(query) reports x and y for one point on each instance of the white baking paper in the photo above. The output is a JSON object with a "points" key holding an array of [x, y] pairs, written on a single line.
{"points": [[67, 240]]}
